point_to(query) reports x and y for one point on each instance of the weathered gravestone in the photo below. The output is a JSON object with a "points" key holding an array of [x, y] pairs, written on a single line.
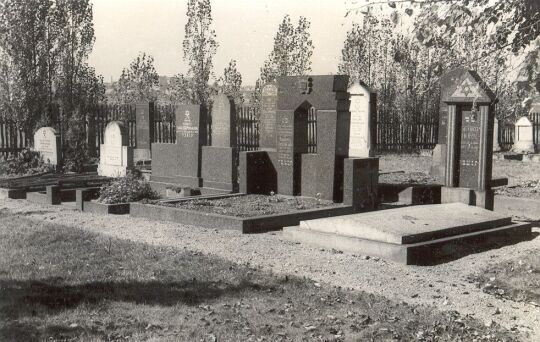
{"points": [[360, 137], [267, 128], [47, 143], [523, 136], [180, 163], [469, 144], [220, 160], [496, 145], [115, 156], [144, 120]]}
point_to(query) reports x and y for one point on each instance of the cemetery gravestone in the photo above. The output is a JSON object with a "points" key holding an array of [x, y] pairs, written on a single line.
{"points": [[220, 160], [47, 143], [469, 145], [523, 136], [267, 121], [180, 163], [360, 140], [496, 146], [115, 156], [144, 113]]}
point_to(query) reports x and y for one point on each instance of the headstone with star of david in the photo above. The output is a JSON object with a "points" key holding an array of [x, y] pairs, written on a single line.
{"points": [[469, 135]]}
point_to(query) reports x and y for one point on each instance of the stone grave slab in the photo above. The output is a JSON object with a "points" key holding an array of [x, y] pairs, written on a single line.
{"points": [[412, 235], [47, 143], [144, 114], [115, 156]]}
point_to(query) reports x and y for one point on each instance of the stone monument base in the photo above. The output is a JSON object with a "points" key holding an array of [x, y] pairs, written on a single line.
{"points": [[194, 182], [112, 170], [420, 235], [483, 199], [141, 154], [219, 168], [360, 183], [524, 147], [438, 162]]}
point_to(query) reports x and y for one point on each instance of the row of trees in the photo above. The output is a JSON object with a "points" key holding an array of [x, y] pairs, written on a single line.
{"points": [[44, 46]]}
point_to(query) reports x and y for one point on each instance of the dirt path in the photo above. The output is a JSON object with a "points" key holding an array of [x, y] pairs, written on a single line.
{"points": [[444, 286]]}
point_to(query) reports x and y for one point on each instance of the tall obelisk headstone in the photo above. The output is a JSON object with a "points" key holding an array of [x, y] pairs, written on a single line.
{"points": [[220, 160], [267, 128]]}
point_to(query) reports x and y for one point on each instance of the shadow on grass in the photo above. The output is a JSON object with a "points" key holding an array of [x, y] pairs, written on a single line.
{"points": [[30, 298]]}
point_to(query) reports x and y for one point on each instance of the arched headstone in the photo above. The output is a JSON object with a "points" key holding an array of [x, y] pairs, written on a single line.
{"points": [[47, 143], [360, 143], [115, 156], [523, 136]]}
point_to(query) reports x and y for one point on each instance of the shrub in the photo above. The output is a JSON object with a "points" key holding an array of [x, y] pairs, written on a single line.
{"points": [[127, 189], [26, 162]]}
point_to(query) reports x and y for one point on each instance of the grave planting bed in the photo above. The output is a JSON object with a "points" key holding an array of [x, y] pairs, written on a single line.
{"points": [[247, 213]]}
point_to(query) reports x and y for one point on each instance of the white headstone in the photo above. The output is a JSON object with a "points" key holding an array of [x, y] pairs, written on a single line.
{"points": [[47, 143], [360, 127], [496, 146], [523, 136], [115, 157]]}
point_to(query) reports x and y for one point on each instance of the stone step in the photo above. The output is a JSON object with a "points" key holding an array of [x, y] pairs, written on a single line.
{"points": [[410, 224], [422, 253]]}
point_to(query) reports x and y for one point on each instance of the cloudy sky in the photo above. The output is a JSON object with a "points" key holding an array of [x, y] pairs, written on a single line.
{"points": [[245, 30]]}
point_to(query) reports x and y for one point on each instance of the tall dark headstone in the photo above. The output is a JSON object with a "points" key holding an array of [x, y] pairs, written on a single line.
{"points": [[180, 163], [220, 160], [144, 122], [469, 144], [292, 141], [267, 128]]}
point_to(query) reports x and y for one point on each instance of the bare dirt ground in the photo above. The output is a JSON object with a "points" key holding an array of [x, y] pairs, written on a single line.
{"points": [[523, 177], [447, 287]]}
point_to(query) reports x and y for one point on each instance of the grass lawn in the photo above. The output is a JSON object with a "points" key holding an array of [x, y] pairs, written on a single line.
{"points": [[62, 283]]}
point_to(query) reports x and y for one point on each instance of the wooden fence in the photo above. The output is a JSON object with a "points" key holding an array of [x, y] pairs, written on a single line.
{"points": [[12, 138]]}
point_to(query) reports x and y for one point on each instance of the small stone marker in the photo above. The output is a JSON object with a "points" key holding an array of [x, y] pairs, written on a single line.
{"points": [[523, 136], [496, 146], [267, 120], [115, 156], [47, 143], [360, 144]]}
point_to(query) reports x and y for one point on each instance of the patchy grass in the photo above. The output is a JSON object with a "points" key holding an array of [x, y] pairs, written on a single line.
{"points": [[252, 205], [517, 280], [61, 283]]}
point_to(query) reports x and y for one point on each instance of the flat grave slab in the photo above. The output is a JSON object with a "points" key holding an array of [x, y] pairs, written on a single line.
{"points": [[413, 235]]}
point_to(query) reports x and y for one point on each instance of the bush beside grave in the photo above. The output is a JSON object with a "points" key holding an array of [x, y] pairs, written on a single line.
{"points": [[125, 190], [26, 162]]}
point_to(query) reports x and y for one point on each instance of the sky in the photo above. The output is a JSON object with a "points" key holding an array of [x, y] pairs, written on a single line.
{"points": [[245, 31]]}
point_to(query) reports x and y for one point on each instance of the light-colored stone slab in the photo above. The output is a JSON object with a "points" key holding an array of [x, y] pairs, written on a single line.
{"points": [[410, 224], [523, 136], [115, 157], [47, 143], [360, 127]]}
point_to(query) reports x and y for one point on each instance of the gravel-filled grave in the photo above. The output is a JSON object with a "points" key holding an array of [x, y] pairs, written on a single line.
{"points": [[252, 205]]}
